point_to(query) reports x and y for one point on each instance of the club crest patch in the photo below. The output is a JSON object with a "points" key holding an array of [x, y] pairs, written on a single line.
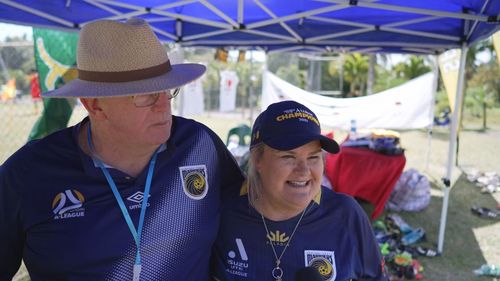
{"points": [[323, 261], [194, 181]]}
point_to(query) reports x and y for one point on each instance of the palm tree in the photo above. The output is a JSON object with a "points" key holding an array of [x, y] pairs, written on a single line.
{"points": [[356, 72], [412, 68]]}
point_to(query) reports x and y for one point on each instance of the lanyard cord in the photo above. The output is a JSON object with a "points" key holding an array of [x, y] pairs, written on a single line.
{"points": [[135, 233]]}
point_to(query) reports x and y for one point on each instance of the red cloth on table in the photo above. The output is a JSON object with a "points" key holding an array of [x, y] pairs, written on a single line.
{"points": [[366, 174]]}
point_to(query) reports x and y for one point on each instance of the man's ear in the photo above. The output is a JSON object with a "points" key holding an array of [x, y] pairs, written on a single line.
{"points": [[93, 106]]}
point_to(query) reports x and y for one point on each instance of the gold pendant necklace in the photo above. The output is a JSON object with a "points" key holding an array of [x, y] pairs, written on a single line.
{"points": [[277, 272]]}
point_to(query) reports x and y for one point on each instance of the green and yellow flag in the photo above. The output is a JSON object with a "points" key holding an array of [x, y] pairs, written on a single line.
{"points": [[55, 59], [496, 44]]}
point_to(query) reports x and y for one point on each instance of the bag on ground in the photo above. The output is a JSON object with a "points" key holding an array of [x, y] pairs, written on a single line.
{"points": [[412, 193]]}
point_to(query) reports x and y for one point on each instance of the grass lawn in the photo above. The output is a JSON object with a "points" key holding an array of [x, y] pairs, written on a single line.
{"points": [[470, 241]]}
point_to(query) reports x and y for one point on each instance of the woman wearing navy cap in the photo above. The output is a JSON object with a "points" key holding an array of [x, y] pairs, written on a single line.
{"points": [[284, 222]]}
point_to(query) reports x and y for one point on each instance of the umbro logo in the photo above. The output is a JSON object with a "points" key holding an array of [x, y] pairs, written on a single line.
{"points": [[137, 198]]}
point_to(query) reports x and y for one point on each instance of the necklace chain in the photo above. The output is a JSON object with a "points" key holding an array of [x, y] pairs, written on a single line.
{"points": [[277, 272]]}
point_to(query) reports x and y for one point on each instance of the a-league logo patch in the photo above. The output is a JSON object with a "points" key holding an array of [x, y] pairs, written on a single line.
{"points": [[194, 181], [68, 204], [323, 261]]}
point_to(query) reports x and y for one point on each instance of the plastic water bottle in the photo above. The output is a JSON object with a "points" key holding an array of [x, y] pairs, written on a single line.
{"points": [[353, 134]]}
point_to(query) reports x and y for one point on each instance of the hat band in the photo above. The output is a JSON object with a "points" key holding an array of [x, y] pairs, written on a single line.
{"points": [[125, 76]]}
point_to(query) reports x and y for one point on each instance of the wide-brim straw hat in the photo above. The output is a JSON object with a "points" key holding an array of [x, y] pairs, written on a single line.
{"points": [[122, 59]]}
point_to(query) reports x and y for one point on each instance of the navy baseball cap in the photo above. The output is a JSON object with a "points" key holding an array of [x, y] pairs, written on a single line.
{"points": [[287, 125]]}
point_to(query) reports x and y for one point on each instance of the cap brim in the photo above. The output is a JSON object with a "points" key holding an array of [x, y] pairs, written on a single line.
{"points": [[180, 75], [295, 141]]}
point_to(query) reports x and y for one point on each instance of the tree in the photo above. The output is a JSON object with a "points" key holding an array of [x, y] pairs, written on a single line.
{"points": [[483, 89], [411, 68], [293, 75], [19, 62], [18, 58], [277, 60], [356, 72], [386, 79], [336, 68]]}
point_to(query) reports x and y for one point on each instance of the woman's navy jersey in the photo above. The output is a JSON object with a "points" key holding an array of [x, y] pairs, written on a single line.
{"points": [[334, 236], [58, 214]]}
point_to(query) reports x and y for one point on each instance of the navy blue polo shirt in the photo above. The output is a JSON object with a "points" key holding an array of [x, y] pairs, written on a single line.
{"points": [[334, 236], [58, 213]]}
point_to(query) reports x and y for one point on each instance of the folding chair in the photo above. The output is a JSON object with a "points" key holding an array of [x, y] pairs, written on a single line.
{"points": [[241, 131]]}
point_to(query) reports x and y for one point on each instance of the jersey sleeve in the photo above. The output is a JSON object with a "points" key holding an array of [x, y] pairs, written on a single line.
{"points": [[217, 265], [11, 235], [230, 173]]}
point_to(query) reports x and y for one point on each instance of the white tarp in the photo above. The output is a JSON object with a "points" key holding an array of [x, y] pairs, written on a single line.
{"points": [[228, 86], [407, 106]]}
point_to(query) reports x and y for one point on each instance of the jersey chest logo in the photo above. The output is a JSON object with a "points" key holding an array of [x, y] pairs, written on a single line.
{"points": [[194, 181], [323, 261], [237, 261], [68, 204]]}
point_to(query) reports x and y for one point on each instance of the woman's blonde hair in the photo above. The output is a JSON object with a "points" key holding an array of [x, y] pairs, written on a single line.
{"points": [[254, 181]]}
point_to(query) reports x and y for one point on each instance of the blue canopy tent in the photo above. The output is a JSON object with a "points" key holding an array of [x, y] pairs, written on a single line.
{"points": [[401, 26], [370, 26]]}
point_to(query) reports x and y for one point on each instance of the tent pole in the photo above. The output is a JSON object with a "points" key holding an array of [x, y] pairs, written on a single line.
{"points": [[431, 111], [452, 145]]}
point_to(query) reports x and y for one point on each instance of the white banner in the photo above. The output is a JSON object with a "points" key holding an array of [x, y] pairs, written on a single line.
{"points": [[407, 106], [193, 103], [228, 86]]}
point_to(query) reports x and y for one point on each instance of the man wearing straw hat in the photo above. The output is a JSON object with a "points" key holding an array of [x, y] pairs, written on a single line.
{"points": [[129, 193]]}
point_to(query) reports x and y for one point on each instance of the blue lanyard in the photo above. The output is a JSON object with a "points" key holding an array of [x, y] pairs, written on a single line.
{"points": [[135, 233]]}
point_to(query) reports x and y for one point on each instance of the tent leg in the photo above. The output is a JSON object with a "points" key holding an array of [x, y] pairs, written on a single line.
{"points": [[444, 213], [453, 144]]}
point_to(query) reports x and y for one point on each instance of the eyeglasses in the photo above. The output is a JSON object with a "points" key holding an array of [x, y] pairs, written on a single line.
{"points": [[151, 99]]}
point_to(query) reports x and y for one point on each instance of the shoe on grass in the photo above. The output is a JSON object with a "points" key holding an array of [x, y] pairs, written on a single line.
{"points": [[403, 259], [413, 236], [380, 225], [485, 212], [426, 252], [400, 223]]}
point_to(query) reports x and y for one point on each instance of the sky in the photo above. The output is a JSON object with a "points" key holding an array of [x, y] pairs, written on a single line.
{"points": [[14, 30]]}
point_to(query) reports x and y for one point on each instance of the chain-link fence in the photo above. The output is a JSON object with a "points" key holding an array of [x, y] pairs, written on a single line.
{"points": [[17, 117]]}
